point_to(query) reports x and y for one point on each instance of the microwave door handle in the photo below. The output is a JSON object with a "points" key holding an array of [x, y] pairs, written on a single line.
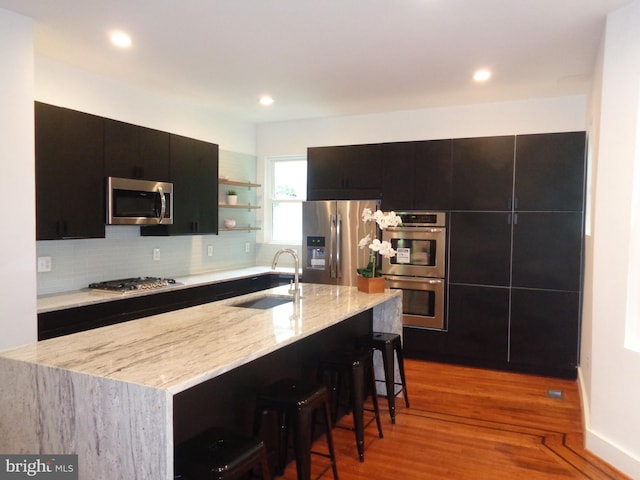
{"points": [[163, 204]]}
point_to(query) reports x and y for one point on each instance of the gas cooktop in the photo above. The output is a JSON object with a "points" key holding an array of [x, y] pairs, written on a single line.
{"points": [[134, 283]]}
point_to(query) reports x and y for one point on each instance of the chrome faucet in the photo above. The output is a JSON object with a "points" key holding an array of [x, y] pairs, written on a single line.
{"points": [[295, 289]]}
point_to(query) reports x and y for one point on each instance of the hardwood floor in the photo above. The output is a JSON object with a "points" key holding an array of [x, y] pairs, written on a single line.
{"points": [[467, 423]]}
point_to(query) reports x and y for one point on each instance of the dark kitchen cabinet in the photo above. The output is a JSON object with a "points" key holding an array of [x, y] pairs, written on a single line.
{"points": [[194, 174], [69, 180], [132, 151], [72, 320], [349, 172], [482, 173], [547, 250], [531, 249], [550, 172], [478, 323], [545, 331], [416, 175], [480, 248]]}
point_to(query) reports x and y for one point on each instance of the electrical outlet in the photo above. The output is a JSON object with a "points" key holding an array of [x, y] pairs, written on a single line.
{"points": [[156, 254], [44, 264], [247, 247], [209, 250]]}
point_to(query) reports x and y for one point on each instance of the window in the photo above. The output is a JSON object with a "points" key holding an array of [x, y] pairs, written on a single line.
{"points": [[288, 189]]}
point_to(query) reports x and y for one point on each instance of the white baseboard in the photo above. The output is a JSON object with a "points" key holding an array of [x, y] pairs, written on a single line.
{"points": [[602, 447]]}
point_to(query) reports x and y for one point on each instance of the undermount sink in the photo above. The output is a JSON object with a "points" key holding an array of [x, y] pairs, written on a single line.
{"points": [[264, 303]]}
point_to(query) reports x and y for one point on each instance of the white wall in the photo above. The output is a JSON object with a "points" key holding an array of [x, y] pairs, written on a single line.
{"points": [[17, 246], [529, 116], [613, 385], [59, 84]]}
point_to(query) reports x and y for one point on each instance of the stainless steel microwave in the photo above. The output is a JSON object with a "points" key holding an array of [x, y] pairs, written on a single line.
{"points": [[139, 202]]}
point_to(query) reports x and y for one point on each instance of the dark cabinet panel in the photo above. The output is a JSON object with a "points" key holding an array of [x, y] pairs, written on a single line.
{"points": [[547, 250], [550, 171], [480, 248], [478, 323], [132, 151], [348, 172], [416, 175], [194, 173], [544, 329], [482, 177], [69, 180]]}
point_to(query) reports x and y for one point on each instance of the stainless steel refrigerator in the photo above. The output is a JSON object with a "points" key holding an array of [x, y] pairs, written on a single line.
{"points": [[331, 231]]}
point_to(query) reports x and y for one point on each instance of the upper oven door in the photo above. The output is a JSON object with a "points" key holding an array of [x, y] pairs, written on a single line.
{"points": [[421, 251]]}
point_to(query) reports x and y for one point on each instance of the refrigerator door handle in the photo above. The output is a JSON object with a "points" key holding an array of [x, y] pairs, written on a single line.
{"points": [[338, 245], [332, 243]]}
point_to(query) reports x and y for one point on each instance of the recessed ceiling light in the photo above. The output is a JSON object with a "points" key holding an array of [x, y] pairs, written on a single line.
{"points": [[120, 39], [482, 75], [266, 100]]}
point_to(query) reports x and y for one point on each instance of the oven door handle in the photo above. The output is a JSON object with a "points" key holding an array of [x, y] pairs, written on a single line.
{"points": [[430, 281]]}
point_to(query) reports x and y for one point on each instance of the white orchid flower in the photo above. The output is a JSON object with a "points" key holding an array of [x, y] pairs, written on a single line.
{"points": [[386, 250], [364, 242], [367, 216], [375, 245]]}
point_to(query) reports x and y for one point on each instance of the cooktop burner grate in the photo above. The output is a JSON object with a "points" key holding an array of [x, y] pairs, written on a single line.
{"points": [[134, 283]]}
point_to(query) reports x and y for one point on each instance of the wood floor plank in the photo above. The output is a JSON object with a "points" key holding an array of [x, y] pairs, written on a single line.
{"points": [[472, 424]]}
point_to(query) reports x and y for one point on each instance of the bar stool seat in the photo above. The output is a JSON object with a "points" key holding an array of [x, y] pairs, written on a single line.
{"points": [[357, 368], [388, 344], [220, 454], [296, 402]]}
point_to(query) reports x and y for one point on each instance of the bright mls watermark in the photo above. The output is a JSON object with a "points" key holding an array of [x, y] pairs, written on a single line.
{"points": [[51, 467]]}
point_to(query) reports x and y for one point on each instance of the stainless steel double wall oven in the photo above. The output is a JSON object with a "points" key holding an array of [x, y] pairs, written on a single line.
{"points": [[418, 269]]}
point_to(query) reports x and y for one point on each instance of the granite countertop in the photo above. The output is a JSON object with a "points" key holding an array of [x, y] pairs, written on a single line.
{"points": [[86, 296], [176, 350]]}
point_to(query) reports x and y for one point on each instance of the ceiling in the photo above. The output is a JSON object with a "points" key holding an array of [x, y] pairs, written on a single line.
{"points": [[328, 57]]}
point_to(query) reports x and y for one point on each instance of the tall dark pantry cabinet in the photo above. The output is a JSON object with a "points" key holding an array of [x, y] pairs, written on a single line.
{"points": [[515, 208], [516, 237]]}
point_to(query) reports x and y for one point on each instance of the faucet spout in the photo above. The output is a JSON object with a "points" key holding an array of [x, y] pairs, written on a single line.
{"points": [[296, 260]]}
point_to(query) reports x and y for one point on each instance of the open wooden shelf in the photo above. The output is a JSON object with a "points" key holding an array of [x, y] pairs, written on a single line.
{"points": [[230, 229], [238, 184], [226, 205]]}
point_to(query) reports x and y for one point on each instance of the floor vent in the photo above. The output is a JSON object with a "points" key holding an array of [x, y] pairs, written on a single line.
{"points": [[554, 393]]}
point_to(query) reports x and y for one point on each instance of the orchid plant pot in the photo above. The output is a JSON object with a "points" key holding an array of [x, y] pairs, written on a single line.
{"points": [[370, 284]]}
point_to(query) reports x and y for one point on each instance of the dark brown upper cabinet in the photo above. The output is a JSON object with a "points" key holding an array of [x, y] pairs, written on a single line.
{"points": [[416, 175], [550, 172], [194, 174], [482, 177], [350, 172], [132, 151], [69, 180]]}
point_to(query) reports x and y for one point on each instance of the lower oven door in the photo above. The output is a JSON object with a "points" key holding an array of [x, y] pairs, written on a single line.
{"points": [[422, 300]]}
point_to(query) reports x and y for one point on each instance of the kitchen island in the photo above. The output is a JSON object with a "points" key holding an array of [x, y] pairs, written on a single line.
{"points": [[117, 395]]}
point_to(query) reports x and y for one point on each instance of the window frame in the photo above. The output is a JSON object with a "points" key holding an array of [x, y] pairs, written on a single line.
{"points": [[269, 194]]}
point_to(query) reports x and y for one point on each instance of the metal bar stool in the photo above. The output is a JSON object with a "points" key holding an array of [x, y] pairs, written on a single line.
{"points": [[219, 454], [296, 403], [357, 368], [388, 344]]}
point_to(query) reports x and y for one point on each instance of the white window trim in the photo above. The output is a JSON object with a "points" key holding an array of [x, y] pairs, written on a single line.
{"points": [[267, 198]]}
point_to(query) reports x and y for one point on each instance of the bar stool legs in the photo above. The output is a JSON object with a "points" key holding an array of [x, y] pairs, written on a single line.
{"points": [[390, 345], [295, 403], [358, 368]]}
